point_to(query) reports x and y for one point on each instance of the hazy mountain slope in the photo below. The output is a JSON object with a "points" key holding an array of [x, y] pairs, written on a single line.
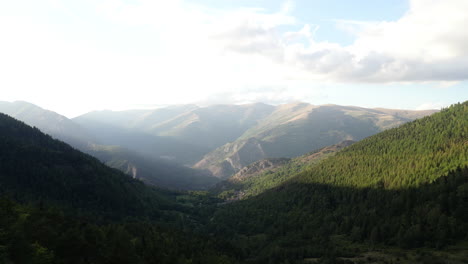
{"points": [[294, 129], [288, 114], [207, 127], [36, 167], [183, 133], [145, 144], [406, 187], [102, 141], [153, 171], [283, 114], [142, 119], [50, 122], [213, 126], [153, 117], [269, 173]]}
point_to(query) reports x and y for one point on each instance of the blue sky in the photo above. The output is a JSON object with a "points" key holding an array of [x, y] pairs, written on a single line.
{"points": [[323, 13], [77, 56]]}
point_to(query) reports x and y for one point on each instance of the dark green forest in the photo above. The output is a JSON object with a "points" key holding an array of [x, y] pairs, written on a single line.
{"points": [[35, 167], [299, 221], [37, 234], [62, 206], [403, 189]]}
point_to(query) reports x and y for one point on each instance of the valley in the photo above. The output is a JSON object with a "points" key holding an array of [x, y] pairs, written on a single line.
{"points": [[398, 195], [168, 147], [234, 132]]}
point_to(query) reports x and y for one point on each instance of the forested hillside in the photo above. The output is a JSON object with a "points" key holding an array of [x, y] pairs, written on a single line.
{"points": [[44, 235], [413, 154], [58, 205], [37, 168], [403, 188]]}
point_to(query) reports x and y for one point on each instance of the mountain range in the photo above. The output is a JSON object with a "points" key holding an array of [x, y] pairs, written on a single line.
{"points": [[295, 129], [398, 196], [158, 145]]}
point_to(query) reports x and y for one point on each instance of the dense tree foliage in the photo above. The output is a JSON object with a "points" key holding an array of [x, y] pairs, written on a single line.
{"points": [[298, 220], [40, 235], [415, 153]]}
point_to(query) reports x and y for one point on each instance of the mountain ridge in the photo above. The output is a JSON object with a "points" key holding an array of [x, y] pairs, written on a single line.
{"points": [[294, 129]]}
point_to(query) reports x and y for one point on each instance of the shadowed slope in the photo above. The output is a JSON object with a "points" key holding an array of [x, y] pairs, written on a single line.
{"points": [[36, 167]]}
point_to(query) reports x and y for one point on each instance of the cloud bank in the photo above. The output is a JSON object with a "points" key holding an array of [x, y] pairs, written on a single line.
{"points": [[427, 44]]}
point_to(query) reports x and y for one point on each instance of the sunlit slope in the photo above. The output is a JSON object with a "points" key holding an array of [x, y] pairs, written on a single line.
{"points": [[213, 126], [415, 153]]}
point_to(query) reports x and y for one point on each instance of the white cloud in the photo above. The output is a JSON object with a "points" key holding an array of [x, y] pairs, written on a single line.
{"points": [[427, 44]]}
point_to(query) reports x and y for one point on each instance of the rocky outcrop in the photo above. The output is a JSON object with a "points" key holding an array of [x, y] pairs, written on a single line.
{"points": [[259, 167], [235, 156]]}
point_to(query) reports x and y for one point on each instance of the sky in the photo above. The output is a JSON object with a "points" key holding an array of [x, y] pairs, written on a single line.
{"points": [[77, 56]]}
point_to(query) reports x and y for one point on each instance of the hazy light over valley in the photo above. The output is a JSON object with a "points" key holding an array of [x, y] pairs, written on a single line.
{"points": [[76, 56]]}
